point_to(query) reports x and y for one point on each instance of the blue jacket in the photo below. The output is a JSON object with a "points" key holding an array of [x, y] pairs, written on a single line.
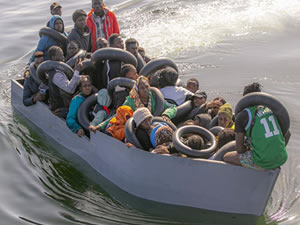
{"points": [[71, 120], [45, 41]]}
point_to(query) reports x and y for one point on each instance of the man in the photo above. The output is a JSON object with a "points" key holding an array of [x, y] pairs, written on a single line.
{"points": [[264, 148], [101, 22], [101, 43], [115, 41], [142, 52], [72, 49], [192, 85], [55, 9], [132, 47], [199, 98], [32, 93], [60, 88], [81, 33]]}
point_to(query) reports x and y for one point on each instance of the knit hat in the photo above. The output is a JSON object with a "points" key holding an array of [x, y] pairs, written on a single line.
{"points": [[140, 115], [226, 108], [78, 13]]}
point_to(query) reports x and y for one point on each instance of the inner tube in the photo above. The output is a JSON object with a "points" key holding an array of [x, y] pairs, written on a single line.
{"points": [[157, 64], [122, 82], [206, 134], [159, 101], [214, 122], [216, 130], [182, 111], [49, 65], [54, 34], [72, 61], [195, 111], [32, 71], [260, 98], [140, 62], [113, 54], [229, 147], [84, 109], [87, 67]]}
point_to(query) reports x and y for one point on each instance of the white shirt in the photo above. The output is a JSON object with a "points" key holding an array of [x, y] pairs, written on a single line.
{"points": [[177, 94]]}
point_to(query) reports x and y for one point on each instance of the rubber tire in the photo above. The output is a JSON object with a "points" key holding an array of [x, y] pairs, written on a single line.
{"points": [[57, 36], [122, 82], [195, 111], [33, 74], [214, 122], [182, 111], [157, 64], [80, 54], [84, 109], [87, 67], [203, 153], [229, 147], [159, 101], [216, 130]]}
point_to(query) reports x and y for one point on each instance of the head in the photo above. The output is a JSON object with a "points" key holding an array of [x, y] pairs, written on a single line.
{"points": [[101, 43], [163, 135], [225, 115], [195, 142], [85, 85], [79, 18], [143, 118], [189, 122], [72, 48], [57, 23], [143, 86], [192, 85], [55, 9], [203, 120], [168, 77], [56, 54], [132, 46], [217, 103], [226, 135], [254, 87], [199, 98], [115, 41], [142, 52], [98, 6], [124, 112], [129, 71], [38, 58]]}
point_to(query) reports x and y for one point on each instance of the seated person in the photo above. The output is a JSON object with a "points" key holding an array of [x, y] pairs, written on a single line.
{"points": [[101, 43], [163, 141], [143, 54], [132, 47], [202, 120], [195, 142], [225, 136], [213, 106], [172, 93], [116, 41], [72, 49], [60, 87], [199, 98], [85, 88], [81, 33], [192, 85], [225, 116], [32, 91], [188, 122]]}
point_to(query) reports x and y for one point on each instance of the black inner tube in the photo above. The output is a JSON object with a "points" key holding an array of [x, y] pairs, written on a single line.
{"points": [[33, 74], [182, 111], [72, 61], [57, 36], [159, 101], [84, 109], [157, 64], [216, 130], [229, 147], [119, 81]]}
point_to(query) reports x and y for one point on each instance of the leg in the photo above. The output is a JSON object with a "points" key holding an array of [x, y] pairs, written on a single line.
{"points": [[232, 158]]}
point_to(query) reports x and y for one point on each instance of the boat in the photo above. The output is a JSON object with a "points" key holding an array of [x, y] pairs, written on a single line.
{"points": [[194, 183]]}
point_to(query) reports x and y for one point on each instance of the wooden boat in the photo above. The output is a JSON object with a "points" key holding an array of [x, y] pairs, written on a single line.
{"points": [[185, 182]]}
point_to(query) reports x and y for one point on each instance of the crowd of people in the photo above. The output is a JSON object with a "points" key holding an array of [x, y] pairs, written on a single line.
{"points": [[64, 94]]}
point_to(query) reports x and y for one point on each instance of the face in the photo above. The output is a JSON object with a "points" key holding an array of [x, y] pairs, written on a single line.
{"points": [[101, 43], [72, 49], [132, 74], [192, 87], [118, 43], [80, 22], [59, 56], [56, 11], [224, 120], [38, 60], [146, 124], [142, 53], [197, 101], [144, 89], [58, 25], [86, 88], [133, 49], [98, 6]]}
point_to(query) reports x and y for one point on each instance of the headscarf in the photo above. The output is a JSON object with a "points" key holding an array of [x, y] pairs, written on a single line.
{"points": [[117, 128], [135, 95], [163, 135]]}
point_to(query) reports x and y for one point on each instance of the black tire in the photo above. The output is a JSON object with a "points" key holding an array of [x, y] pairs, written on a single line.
{"points": [[33, 74], [159, 101], [195, 111], [87, 67], [206, 134], [84, 109], [182, 110], [229, 147], [53, 65], [72, 61], [157, 64], [57, 36], [216, 130], [122, 82], [260, 98], [214, 122], [114, 54]]}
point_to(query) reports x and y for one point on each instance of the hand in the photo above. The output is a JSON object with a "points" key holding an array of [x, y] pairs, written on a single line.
{"points": [[80, 132], [129, 145], [165, 118], [93, 128], [78, 65], [161, 149], [39, 97], [26, 72]]}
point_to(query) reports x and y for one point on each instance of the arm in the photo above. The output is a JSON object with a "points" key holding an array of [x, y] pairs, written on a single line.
{"points": [[72, 114], [239, 146], [27, 94], [170, 110], [60, 80]]}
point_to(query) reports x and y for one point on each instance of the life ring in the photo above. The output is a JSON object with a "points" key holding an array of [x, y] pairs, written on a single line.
{"points": [[216, 130], [159, 101], [54, 34], [130, 127], [260, 98], [119, 81], [72, 61], [195, 111], [206, 134], [49, 65], [84, 109], [87, 67], [32, 71], [182, 111], [113, 54], [157, 64], [214, 122], [229, 147]]}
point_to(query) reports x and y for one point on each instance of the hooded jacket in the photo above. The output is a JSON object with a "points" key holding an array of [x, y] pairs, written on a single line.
{"points": [[71, 120], [103, 100], [83, 39]]}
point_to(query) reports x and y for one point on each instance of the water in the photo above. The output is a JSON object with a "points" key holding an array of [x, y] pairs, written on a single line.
{"points": [[225, 44]]}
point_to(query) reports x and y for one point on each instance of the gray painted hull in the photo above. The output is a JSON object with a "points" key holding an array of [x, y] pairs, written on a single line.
{"points": [[196, 183]]}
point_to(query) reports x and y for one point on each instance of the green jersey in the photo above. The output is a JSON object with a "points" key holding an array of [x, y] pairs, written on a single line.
{"points": [[267, 141]]}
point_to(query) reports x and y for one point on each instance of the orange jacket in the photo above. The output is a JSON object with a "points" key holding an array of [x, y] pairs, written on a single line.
{"points": [[111, 26]]}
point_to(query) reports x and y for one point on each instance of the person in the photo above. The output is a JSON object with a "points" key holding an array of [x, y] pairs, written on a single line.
{"points": [[202, 120], [199, 98], [192, 85], [85, 88], [81, 33], [32, 92], [101, 43], [260, 143], [168, 78], [116, 41], [213, 106], [102, 22], [55, 9], [225, 136], [225, 116], [142, 52], [45, 41], [132, 45], [60, 88], [72, 49], [195, 142]]}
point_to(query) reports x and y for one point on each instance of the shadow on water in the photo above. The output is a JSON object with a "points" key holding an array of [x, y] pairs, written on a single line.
{"points": [[90, 198]]}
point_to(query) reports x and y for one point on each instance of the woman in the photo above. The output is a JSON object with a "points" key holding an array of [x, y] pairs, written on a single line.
{"points": [[85, 88], [225, 116]]}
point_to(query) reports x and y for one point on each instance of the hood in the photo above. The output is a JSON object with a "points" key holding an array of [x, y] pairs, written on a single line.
{"points": [[53, 19], [103, 98]]}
